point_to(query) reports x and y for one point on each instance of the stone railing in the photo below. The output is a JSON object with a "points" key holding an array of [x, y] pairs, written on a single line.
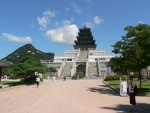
{"points": [[87, 65], [73, 69], [60, 69], [78, 53], [46, 61], [98, 68]]}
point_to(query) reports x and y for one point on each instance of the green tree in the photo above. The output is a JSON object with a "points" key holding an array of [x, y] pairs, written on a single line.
{"points": [[52, 70], [26, 67], [134, 48], [117, 65]]}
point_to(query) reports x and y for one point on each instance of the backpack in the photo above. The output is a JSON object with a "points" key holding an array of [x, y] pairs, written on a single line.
{"points": [[135, 90]]}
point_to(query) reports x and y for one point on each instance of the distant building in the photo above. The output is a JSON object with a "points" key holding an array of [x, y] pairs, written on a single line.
{"points": [[84, 58]]}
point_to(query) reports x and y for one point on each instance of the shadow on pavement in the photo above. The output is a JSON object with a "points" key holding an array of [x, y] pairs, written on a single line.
{"points": [[140, 108], [103, 89]]}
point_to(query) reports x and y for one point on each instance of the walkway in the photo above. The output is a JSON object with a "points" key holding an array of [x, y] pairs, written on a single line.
{"points": [[71, 96]]}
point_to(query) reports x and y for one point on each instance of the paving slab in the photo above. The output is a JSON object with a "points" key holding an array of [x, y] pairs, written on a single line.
{"points": [[70, 96]]}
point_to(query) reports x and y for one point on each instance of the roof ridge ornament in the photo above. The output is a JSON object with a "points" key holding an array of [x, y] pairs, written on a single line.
{"points": [[84, 25]]}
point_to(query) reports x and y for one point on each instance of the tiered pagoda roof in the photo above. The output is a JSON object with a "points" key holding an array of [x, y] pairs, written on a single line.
{"points": [[84, 40]]}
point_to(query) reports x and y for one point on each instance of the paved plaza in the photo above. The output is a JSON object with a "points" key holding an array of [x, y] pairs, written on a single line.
{"points": [[71, 96]]}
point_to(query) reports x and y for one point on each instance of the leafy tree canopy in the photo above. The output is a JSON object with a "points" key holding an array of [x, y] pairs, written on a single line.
{"points": [[133, 48], [26, 67]]}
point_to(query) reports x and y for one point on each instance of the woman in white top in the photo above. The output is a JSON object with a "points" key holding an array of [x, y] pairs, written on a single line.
{"points": [[53, 78], [37, 81], [131, 92]]}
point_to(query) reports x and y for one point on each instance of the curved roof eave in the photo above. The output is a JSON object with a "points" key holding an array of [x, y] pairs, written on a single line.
{"points": [[4, 64]]}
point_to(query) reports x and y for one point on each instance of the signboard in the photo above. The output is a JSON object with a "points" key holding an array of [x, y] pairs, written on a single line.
{"points": [[123, 88]]}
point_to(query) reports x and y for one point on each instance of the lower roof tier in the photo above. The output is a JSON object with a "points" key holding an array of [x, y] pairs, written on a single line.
{"points": [[84, 47]]}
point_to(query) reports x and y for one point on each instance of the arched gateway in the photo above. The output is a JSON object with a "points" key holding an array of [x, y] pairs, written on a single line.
{"points": [[84, 58], [81, 67]]}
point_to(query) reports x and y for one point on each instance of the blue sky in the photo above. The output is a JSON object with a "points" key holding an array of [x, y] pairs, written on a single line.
{"points": [[52, 25]]}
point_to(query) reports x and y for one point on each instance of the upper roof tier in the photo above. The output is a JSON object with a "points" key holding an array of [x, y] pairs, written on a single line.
{"points": [[84, 40]]}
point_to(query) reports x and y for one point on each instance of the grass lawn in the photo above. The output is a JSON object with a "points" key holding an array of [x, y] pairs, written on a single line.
{"points": [[144, 90]]}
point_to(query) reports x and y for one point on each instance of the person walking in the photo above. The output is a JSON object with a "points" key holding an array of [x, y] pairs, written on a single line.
{"points": [[47, 77], [53, 78], [37, 81], [132, 94], [64, 78]]}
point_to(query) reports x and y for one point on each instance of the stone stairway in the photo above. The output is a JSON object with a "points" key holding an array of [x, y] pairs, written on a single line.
{"points": [[66, 71]]}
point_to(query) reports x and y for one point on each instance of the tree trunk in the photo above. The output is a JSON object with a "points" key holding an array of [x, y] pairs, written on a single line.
{"points": [[140, 78]]}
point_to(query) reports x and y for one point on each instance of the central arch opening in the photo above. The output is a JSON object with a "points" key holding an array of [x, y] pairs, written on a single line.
{"points": [[81, 68]]}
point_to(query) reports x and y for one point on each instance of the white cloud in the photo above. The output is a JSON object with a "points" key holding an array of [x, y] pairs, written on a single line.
{"points": [[12, 37], [76, 8], [66, 22], [45, 19], [66, 34], [97, 20], [88, 1], [89, 24], [49, 13], [140, 22]]}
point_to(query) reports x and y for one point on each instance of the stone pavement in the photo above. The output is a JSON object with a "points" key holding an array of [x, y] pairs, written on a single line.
{"points": [[70, 96]]}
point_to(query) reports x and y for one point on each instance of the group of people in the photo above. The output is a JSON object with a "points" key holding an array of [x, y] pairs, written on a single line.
{"points": [[131, 87], [53, 79]]}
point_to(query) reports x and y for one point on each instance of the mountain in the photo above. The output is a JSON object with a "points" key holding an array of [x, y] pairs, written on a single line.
{"points": [[28, 50]]}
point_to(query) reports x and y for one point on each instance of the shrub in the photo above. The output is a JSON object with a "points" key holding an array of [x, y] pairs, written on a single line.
{"points": [[80, 74], [41, 79], [115, 77], [135, 75], [74, 77], [29, 80]]}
